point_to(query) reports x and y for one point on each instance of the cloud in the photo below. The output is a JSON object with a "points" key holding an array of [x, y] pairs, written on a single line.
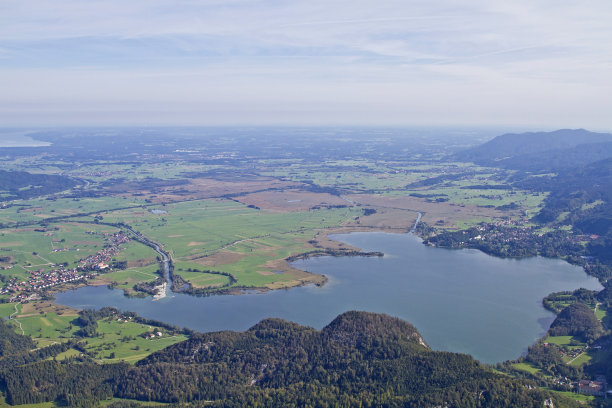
{"points": [[360, 61]]}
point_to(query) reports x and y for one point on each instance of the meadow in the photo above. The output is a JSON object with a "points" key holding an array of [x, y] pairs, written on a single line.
{"points": [[228, 236], [118, 339]]}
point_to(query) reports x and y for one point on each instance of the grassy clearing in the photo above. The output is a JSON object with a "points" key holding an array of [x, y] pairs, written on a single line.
{"points": [[574, 396], [124, 341], [39, 405], [600, 312], [527, 368], [134, 251], [143, 403], [203, 280], [561, 340], [465, 224], [116, 340], [49, 326], [7, 309]]}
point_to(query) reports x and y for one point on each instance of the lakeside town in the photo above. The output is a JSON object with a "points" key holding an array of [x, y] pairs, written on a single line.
{"points": [[40, 280]]}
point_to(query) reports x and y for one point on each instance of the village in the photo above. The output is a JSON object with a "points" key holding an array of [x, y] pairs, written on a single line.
{"points": [[40, 280]]}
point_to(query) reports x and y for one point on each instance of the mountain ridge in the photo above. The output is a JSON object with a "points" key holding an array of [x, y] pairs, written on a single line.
{"points": [[504, 150]]}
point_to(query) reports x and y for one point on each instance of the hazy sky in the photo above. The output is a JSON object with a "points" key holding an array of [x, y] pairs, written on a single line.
{"points": [[432, 62]]}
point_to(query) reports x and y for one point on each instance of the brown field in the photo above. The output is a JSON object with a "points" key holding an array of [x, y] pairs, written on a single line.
{"points": [[199, 188], [290, 200], [322, 240], [35, 308], [195, 243], [300, 277], [141, 263], [220, 258], [11, 244], [439, 214], [32, 209], [387, 219]]}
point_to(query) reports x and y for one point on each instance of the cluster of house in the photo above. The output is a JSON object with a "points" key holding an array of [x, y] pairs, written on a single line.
{"points": [[40, 280], [589, 387], [509, 222], [152, 335], [572, 352], [597, 387], [100, 259], [491, 233]]}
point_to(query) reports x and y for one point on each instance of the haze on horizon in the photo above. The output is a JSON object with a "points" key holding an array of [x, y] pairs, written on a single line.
{"points": [[534, 63]]}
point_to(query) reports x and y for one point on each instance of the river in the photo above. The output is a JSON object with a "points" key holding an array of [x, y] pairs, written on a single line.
{"points": [[460, 300]]}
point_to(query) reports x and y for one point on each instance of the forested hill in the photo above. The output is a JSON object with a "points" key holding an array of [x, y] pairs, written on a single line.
{"points": [[541, 150], [360, 359], [24, 185]]}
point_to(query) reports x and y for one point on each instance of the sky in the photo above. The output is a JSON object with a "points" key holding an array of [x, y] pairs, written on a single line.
{"points": [[531, 63]]}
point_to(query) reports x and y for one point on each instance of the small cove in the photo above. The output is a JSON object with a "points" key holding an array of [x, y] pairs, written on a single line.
{"points": [[460, 300]]}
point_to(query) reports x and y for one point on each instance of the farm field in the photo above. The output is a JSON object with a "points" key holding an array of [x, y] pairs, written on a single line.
{"points": [[117, 339], [228, 236]]}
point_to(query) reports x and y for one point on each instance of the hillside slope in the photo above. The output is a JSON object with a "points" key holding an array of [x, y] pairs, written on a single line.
{"points": [[551, 149], [359, 359]]}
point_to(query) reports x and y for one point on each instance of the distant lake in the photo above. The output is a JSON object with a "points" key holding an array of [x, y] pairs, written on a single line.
{"points": [[460, 300], [19, 138]]}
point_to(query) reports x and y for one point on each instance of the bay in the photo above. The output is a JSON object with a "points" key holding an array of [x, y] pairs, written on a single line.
{"points": [[19, 138], [460, 300]]}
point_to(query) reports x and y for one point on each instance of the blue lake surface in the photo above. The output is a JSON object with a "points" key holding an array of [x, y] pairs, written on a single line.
{"points": [[460, 300], [19, 138]]}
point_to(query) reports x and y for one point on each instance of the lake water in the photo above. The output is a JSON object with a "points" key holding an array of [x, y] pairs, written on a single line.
{"points": [[460, 300], [19, 138]]}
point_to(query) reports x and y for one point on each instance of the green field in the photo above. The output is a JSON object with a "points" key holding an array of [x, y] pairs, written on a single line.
{"points": [[7, 309], [36, 210], [123, 341], [116, 340], [49, 326], [527, 368], [39, 405], [600, 312], [127, 278], [191, 231], [203, 280], [562, 340], [581, 398]]}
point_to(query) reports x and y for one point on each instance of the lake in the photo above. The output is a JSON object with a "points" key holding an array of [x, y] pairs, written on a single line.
{"points": [[19, 138], [460, 300]]}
